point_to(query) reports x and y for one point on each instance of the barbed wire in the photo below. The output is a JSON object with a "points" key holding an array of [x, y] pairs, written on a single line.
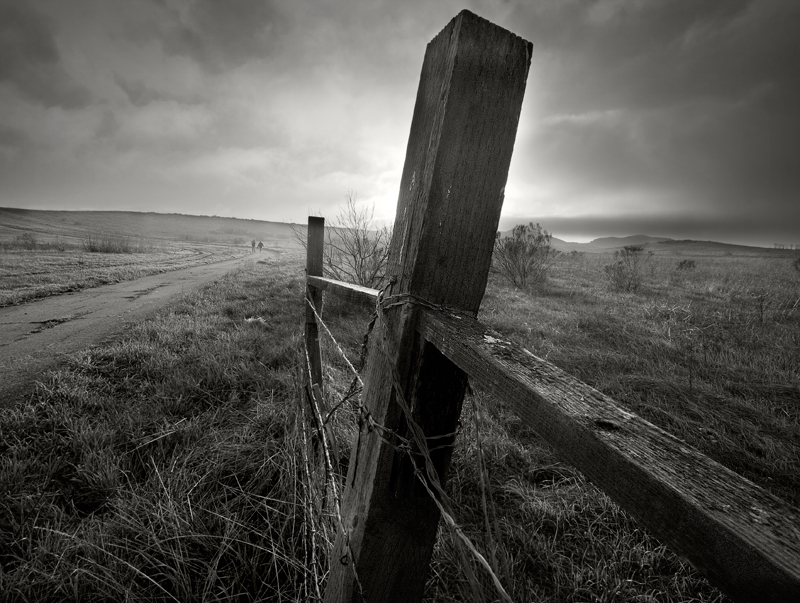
{"points": [[430, 478], [331, 476]]}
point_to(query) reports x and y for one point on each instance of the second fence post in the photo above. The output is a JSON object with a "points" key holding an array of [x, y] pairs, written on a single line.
{"points": [[451, 192], [314, 257]]}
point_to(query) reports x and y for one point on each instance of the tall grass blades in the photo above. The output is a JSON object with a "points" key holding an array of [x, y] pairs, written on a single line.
{"points": [[164, 467]]}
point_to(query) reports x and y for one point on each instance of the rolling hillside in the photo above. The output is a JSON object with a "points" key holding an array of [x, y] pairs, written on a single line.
{"points": [[47, 225]]}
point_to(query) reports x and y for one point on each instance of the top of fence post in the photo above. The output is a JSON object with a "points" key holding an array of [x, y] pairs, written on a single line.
{"points": [[459, 151]]}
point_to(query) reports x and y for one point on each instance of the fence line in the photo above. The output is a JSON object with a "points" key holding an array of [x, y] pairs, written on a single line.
{"points": [[742, 538], [427, 342]]}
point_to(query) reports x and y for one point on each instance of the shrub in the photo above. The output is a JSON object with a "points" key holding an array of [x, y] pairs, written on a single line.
{"points": [[105, 243], [355, 251], [108, 243], [26, 240], [525, 257], [625, 274]]}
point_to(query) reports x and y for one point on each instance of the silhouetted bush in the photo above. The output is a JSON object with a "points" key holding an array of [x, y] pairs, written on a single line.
{"points": [[524, 258], [625, 274], [355, 251]]}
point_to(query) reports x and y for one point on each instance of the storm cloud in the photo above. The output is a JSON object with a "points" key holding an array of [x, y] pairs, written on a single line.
{"points": [[677, 119], [29, 59]]}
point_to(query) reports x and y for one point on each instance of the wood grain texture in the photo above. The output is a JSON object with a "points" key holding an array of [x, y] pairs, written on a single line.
{"points": [[314, 248], [459, 150], [462, 136], [743, 539]]}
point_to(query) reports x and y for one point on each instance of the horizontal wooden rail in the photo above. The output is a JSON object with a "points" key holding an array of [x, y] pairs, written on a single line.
{"points": [[741, 537], [347, 291], [746, 541]]}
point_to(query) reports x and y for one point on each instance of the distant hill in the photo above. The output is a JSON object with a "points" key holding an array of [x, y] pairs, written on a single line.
{"points": [[76, 225], [568, 246], [666, 246], [712, 248], [618, 242], [601, 244]]}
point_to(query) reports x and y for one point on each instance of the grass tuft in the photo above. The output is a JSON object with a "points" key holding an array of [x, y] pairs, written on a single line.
{"points": [[110, 243]]}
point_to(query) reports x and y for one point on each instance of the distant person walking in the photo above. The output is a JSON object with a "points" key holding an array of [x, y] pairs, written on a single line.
{"points": [[253, 244], [260, 245]]}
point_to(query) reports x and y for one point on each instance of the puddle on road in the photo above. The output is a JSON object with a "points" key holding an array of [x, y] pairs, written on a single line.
{"points": [[52, 322], [141, 293]]}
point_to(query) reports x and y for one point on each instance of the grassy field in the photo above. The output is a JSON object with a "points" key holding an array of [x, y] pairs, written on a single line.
{"points": [[32, 274], [175, 464], [45, 253], [711, 354], [72, 227]]}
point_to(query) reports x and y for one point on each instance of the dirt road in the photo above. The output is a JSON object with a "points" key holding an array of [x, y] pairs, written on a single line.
{"points": [[35, 336]]}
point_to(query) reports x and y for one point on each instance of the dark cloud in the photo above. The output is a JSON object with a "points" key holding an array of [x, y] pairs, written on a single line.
{"points": [[29, 59], [219, 34], [141, 95], [696, 102], [634, 108], [108, 127], [11, 137], [636, 55]]}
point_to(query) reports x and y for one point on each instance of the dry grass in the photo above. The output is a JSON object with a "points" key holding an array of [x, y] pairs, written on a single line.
{"points": [[176, 464], [45, 253], [33, 274], [165, 466], [710, 354]]}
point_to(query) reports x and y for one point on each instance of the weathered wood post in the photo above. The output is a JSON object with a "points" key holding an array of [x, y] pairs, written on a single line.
{"points": [[452, 188], [314, 248]]}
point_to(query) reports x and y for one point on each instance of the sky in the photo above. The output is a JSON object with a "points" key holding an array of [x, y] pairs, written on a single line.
{"points": [[659, 117]]}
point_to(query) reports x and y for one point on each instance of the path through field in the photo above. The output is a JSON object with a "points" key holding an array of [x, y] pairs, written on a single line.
{"points": [[35, 336]]}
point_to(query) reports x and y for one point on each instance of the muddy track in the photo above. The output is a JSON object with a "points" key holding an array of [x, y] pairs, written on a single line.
{"points": [[36, 336]]}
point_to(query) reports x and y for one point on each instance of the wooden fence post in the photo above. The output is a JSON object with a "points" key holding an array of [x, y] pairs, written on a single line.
{"points": [[314, 247], [459, 150]]}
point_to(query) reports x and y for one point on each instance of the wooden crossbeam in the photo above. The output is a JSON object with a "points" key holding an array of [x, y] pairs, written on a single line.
{"points": [[347, 291], [743, 539]]}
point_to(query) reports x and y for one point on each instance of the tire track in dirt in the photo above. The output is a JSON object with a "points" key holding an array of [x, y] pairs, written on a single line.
{"points": [[36, 336]]}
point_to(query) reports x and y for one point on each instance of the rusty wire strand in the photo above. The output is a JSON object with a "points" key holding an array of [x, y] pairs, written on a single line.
{"points": [[331, 478], [440, 498]]}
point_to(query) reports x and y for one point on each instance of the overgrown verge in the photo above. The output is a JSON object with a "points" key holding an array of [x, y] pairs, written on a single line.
{"points": [[163, 467]]}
